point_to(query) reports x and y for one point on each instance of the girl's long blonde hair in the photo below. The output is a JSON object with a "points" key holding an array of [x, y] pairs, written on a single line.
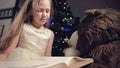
{"points": [[23, 16]]}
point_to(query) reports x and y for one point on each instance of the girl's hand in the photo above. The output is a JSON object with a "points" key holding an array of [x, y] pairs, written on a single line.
{"points": [[3, 57]]}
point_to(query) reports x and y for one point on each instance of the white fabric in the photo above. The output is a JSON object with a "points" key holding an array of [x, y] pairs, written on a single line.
{"points": [[72, 51], [73, 39], [32, 44]]}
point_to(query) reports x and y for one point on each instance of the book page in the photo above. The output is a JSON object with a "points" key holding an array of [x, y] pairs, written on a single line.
{"points": [[77, 62], [47, 62], [72, 62], [44, 62]]}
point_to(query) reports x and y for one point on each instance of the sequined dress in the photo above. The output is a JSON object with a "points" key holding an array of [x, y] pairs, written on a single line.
{"points": [[32, 44]]}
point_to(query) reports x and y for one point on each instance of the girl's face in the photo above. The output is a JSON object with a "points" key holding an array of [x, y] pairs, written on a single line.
{"points": [[42, 13]]}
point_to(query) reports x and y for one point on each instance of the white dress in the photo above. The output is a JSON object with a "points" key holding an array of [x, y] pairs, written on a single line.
{"points": [[32, 44]]}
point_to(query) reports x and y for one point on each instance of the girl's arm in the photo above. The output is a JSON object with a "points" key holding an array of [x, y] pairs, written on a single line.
{"points": [[12, 46], [49, 45]]}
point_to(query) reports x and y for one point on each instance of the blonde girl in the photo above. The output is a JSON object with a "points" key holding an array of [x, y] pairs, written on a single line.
{"points": [[28, 38]]}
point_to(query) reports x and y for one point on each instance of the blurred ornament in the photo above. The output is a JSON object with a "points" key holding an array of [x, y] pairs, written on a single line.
{"points": [[67, 29]]}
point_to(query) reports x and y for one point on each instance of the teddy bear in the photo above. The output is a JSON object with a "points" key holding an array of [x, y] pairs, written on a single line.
{"points": [[99, 37]]}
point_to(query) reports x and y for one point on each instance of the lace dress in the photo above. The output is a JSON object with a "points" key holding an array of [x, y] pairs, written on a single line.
{"points": [[32, 44]]}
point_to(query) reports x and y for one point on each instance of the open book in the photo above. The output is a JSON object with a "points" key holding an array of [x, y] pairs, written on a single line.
{"points": [[49, 62], [72, 62]]}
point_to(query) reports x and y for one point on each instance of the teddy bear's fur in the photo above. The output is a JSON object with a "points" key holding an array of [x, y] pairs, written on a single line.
{"points": [[99, 37]]}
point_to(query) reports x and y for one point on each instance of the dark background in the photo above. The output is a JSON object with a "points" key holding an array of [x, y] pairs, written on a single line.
{"points": [[79, 6]]}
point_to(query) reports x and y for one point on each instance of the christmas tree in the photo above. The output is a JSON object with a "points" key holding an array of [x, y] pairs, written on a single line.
{"points": [[62, 24]]}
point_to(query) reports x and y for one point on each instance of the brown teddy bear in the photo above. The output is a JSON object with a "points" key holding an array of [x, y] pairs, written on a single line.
{"points": [[99, 37]]}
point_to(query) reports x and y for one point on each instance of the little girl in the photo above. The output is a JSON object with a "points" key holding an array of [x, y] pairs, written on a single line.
{"points": [[28, 38]]}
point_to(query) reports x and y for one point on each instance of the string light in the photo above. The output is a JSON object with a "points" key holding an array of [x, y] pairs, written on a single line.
{"points": [[59, 2], [65, 3], [52, 23], [56, 47], [60, 49], [63, 41], [61, 38], [67, 13], [62, 28], [64, 7], [58, 41], [56, 32], [70, 17]]}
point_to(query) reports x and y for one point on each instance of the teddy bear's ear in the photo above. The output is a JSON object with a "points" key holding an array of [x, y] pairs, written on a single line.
{"points": [[93, 12]]}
